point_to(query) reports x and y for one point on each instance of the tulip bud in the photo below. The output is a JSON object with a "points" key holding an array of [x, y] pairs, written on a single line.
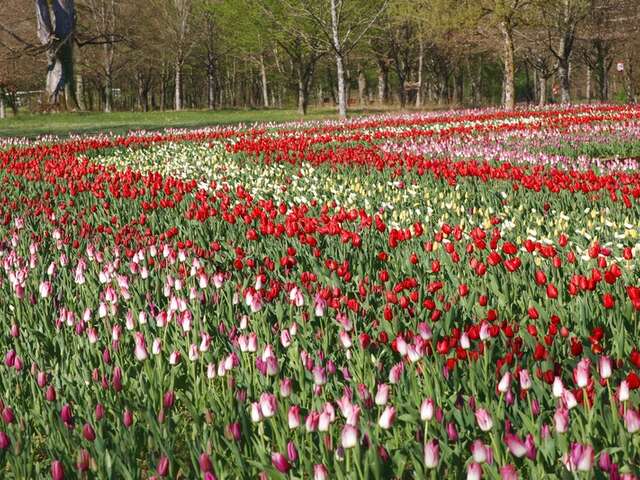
{"points": [[163, 466], [292, 452], [99, 412], [452, 432], [168, 399], [5, 441], [349, 436], [387, 417], [88, 433], [280, 462], [127, 418], [431, 454], [484, 420], [474, 471], [508, 472], [57, 470], [427, 409], [235, 431], [7, 415], [50, 394], [84, 460], [205, 463], [320, 472]]}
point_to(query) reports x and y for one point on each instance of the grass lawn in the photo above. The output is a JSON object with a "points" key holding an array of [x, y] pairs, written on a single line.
{"points": [[32, 125]]}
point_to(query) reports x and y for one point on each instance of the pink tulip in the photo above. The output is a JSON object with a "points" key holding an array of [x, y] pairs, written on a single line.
{"points": [[505, 383], [57, 470], [579, 459], [516, 446], [127, 418], [286, 387], [320, 472], [631, 420], [45, 289], [581, 374], [163, 466], [525, 379], [452, 432], [427, 408], [292, 452], [204, 461], [88, 433], [293, 417], [623, 391], [561, 420], [605, 367], [395, 374], [481, 453], [84, 460], [268, 405], [387, 417], [349, 436], [484, 420], [474, 471], [382, 394], [431, 454], [5, 441], [508, 472], [280, 462], [140, 350]]}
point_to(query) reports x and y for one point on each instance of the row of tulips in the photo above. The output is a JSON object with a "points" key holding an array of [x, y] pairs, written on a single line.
{"points": [[199, 327]]}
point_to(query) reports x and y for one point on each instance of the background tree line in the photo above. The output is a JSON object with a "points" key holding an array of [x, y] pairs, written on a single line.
{"points": [[175, 54]]}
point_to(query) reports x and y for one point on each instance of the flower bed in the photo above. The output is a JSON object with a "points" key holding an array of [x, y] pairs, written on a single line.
{"points": [[404, 296]]}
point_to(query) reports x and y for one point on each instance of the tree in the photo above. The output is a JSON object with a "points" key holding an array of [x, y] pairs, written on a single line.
{"points": [[58, 42], [343, 23]]}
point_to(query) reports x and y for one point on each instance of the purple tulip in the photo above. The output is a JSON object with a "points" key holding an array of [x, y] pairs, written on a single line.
{"points": [[631, 420]]}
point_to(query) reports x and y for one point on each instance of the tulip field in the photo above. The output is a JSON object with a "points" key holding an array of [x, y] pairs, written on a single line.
{"points": [[437, 295]]}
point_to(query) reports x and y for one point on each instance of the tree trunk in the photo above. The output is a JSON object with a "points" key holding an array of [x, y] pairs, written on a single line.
{"points": [[2, 107], [211, 92], [108, 92], [80, 92], [302, 97], [542, 99], [383, 82], [509, 69], [335, 31], [178, 85], [628, 81], [588, 87], [58, 43], [420, 68], [263, 78], [563, 77], [362, 87]]}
